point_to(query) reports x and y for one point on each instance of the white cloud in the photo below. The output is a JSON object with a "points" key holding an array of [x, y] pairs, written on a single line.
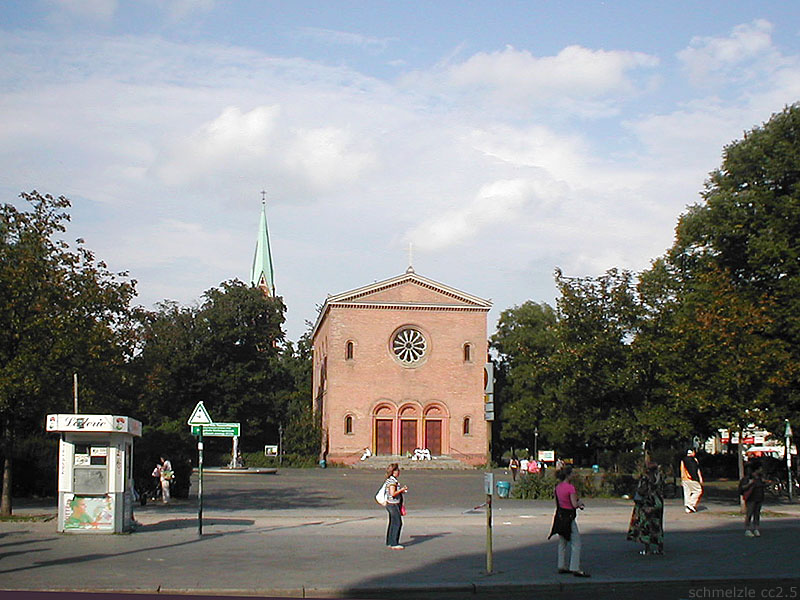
{"points": [[575, 72], [259, 144], [498, 167], [343, 38], [233, 140], [100, 10], [714, 57], [497, 202]]}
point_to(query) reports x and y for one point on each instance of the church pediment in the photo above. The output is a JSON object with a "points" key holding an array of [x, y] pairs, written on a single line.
{"points": [[409, 289]]}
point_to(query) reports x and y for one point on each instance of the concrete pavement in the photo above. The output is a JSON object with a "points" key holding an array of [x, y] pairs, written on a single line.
{"points": [[320, 534]]}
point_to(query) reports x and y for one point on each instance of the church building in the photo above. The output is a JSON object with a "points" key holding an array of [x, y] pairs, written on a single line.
{"points": [[399, 365]]}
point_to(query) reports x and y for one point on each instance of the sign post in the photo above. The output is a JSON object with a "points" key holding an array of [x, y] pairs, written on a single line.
{"points": [[788, 435], [488, 416], [199, 418], [488, 480], [200, 482]]}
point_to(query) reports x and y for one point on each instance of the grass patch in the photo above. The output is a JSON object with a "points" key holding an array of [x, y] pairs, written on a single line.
{"points": [[27, 518]]}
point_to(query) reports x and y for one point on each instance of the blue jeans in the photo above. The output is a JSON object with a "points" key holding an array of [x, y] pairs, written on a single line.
{"points": [[395, 525]]}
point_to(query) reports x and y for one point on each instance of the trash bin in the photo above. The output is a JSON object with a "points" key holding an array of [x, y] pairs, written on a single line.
{"points": [[503, 488], [595, 468], [322, 464]]}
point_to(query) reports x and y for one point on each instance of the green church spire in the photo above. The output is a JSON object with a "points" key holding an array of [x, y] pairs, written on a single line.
{"points": [[262, 274]]}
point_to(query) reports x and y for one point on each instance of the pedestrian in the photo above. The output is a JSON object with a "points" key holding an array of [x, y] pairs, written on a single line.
{"points": [[647, 520], [156, 474], [513, 464], [751, 488], [691, 480], [523, 466], [166, 476], [566, 526], [394, 503]]}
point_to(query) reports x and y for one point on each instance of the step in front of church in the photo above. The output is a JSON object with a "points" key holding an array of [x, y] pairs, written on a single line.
{"points": [[405, 462]]}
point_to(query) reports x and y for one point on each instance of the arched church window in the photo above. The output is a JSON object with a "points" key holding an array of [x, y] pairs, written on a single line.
{"points": [[467, 352], [348, 351], [466, 426], [409, 345], [348, 425]]}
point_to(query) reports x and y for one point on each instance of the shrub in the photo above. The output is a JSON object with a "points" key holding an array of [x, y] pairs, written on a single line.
{"points": [[534, 486], [259, 460], [619, 484]]}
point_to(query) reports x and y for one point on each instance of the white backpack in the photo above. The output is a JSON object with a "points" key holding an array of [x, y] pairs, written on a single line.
{"points": [[380, 497]]}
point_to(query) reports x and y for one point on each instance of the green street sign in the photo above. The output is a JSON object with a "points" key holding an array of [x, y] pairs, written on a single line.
{"points": [[217, 429]]}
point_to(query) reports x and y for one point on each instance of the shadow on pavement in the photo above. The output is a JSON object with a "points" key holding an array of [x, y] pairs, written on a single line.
{"points": [[421, 539], [695, 564], [191, 523], [86, 558]]}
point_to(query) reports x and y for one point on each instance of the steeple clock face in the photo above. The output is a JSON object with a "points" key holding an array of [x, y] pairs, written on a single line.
{"points": [[409, 346]]}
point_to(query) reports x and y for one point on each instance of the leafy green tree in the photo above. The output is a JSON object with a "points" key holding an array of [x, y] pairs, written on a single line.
{"points": [[665, 418], [597, 392], [525, 342], [302, 429], [61, 312], [226, 352], [741, 244]]}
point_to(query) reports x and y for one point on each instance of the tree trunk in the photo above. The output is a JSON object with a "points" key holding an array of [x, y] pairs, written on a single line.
{"points": [[5, 503]]}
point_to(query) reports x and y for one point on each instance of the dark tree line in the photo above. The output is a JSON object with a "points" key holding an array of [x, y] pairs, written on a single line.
{"points": [[708, 337], [62, 312]]}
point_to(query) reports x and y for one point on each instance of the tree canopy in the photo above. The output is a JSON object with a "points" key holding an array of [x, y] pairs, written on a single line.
{"points": [[708, 337], [61, 312]]}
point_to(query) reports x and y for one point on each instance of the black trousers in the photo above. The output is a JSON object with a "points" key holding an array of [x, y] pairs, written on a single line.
{"points": [[753, 513], [395, 525]]}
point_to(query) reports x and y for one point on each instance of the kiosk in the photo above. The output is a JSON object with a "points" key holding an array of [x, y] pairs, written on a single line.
{"points": [[95, 472]]}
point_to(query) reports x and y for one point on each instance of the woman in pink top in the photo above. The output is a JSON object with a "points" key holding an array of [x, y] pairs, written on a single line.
{"points": [[565, 526]]}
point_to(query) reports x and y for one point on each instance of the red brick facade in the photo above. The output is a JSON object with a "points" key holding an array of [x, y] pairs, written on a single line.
{"points": [[399, 365]]}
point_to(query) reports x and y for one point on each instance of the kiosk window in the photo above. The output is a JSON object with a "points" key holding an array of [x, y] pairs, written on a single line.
{"points": [[81, 455], [99, 455]]}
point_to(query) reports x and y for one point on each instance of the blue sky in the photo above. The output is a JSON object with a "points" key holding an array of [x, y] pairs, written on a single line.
{"points": [[501, 139]]}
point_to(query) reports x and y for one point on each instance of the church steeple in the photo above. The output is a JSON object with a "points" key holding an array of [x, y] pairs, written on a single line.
{"points": [[262, 274]]}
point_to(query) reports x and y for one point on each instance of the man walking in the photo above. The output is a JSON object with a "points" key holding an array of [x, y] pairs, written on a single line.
{"points": [[692, 481]]}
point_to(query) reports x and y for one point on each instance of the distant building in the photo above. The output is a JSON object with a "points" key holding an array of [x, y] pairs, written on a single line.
{"points": [[399, 365], [262, 275]]}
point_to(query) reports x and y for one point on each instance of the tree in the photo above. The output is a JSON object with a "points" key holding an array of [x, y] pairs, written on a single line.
{"points": [[598, 321], [61, 312], [741, 244], [525, 342], [226, 352]]}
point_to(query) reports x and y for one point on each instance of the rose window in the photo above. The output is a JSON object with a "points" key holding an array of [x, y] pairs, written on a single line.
{"points": [[409, 346]]}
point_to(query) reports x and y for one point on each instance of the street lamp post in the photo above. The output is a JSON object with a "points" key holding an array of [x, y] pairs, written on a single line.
{"points": [[536, 443]]}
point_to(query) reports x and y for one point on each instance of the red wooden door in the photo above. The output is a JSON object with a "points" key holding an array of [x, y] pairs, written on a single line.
{"points": [[433, 437], [383, 436], [408, 436]]}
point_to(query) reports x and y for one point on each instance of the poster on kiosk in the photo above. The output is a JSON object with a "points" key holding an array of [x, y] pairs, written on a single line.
{"points": [[95, 472]]}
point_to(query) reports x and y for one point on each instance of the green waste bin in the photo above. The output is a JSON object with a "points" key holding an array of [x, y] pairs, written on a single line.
{"points": [[503, 488]]}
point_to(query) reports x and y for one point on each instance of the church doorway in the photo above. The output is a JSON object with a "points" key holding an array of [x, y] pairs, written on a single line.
{"points": [[383, 436], [408, 436], [433, 437]]}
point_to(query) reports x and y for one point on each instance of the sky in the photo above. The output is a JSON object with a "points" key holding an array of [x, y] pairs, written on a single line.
{"points": [[487, 143]]}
